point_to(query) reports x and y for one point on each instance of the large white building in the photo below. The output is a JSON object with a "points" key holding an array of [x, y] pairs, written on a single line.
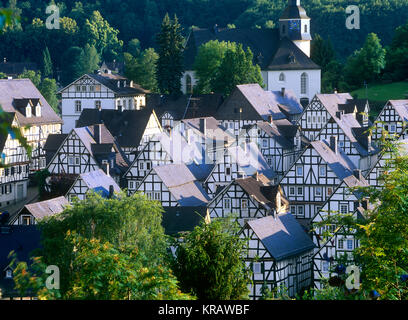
{"points": [[283, 54], [103, 91]]}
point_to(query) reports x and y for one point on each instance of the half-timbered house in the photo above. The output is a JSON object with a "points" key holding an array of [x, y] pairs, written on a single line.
{"points": [[237, 162], [248, 199], [88, 149], [14, 176], [249, 104], [337, 240], [280, 143], [96, 181], [99, 91], [32, 114], [325, 106], [279, 254], [132, 129], [393, 118], [34, 212], [314, 176], [174, 185], [354, 139]]}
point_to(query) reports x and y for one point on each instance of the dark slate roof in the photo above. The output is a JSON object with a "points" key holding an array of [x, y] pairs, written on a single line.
{"points": [[294, 11], [16, 68], [40, 210], [282, 236], [126, 126], [13, 91], [264, 194], [182, 184], [401, 107], [111, 81], [283, 131], [22, 240], [99, 182], [54, 141], [185, 106], [281, 60], [182, 219]]}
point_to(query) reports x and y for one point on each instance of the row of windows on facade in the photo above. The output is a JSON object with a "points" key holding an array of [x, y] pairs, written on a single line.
{"points": [[313, 119], [325, 265], [6, 189], [322, 170], [303, 81], [98, 105], [5, 172], [92, 88], [318, 191]]}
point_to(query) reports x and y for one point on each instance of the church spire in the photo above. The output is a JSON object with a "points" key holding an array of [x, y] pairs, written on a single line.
{"points": [[294, 24]]}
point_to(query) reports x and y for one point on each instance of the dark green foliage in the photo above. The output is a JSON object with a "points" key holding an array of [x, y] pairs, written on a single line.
{"points": [[397, 54], [209, 263], [170, 63], [47, 64]]}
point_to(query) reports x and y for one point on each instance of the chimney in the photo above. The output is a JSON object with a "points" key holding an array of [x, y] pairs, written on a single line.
{"points": [[98, 133], [203, 125], [338, 114], [333, 144], [357, 173], [111, 191], [270, 119], [335, 90], [283, 92]]}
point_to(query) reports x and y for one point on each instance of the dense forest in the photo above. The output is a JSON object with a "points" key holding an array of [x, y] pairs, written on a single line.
{"points": [[141, 18]]}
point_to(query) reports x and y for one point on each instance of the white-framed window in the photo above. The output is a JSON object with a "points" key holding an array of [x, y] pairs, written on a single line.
{"points": [[38, 111], [149, 195], [227, 203], [244, 204], [340, 244], [293, 210], [92, 88], [343, 208], [325, 266], [392, 128], [303, 83], [141, 165], [300, 191], [25, 220], [131, 185], [291, 191], [71, 161], [318, 191], [264, 143], [28, 111], [157, 196], [228, 171], [341, 144], [300, 211], [329, 191], [324, 119], [282, 77], [257, 268], [322, 171], [77, 160], [77, 88], [78, 106], [84, 88], [98, 104], [148, 165], [349, 244], [9, 274], [299, 170]]}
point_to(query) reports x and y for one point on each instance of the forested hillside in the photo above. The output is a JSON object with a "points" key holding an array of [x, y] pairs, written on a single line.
{"points": [[141, 18]]}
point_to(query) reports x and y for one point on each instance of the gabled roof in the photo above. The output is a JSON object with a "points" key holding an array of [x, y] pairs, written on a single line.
{"points": [[270, 53], [250, 160], [294, 11], [99, 182], [185, 106], [338, 162], [282, 236], [126, 126], [182, 184], [401, 107], [40, 210], [54, 141], [111, 81], [331, 101], [283, 131], [13, 91]]}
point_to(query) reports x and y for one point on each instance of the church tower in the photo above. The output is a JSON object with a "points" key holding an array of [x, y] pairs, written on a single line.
{"points": [[295, 25]]}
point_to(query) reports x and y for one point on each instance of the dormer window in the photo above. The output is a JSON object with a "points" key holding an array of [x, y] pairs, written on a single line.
{"points": [[38, 110], [9, 274], [28, 111]]}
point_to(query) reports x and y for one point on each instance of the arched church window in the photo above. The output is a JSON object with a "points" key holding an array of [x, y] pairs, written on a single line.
{"points": [[189, 87], [282, 77], [303, 83]]}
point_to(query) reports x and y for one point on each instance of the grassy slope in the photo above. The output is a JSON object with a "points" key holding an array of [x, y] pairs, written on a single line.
{"points": [[379, 94]]}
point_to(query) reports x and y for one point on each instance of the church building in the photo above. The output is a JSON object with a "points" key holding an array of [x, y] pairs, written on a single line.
{"points": [[283, 54]]}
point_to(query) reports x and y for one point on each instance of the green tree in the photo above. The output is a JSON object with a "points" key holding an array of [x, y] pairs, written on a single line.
{"points": [[367, 63], [47, 64], [236, 68], [170, 61], [397, 54], [142, 68], [89, 59], [209, 262], [49, 89], [74, 66], [209, 58], [34, 76], [322, 52], [106, 249]]}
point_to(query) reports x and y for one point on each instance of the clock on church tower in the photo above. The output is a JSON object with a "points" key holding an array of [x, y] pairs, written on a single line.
{"points": [[295, 25]]}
